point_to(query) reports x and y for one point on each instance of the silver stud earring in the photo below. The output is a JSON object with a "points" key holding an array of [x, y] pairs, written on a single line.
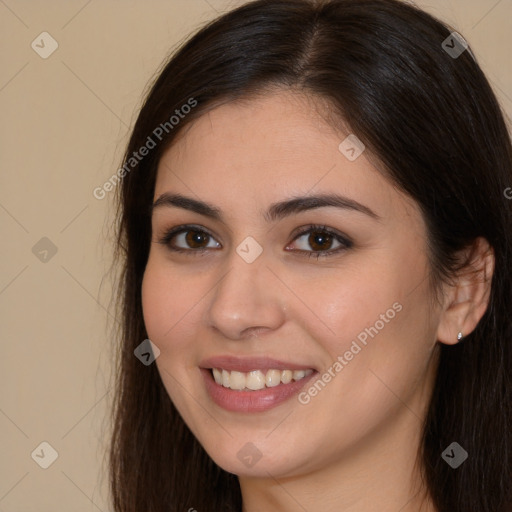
{"points": [[459, 336]]}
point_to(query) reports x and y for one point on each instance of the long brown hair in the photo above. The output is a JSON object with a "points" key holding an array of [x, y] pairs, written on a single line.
{"points": [[432, 120]]}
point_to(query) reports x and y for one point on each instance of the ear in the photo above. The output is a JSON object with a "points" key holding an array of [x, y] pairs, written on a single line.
{"points": [[466, 300]]}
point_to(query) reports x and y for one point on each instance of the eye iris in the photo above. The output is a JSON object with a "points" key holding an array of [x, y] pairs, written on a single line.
{"points": [[318, 238], [195, 237]]}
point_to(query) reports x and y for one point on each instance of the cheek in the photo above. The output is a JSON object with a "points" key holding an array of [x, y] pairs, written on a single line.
{"points": [[376, 328], [345, 303], [373, 366], [169, 312], [168, 301], [382, 308], [157, 304]]}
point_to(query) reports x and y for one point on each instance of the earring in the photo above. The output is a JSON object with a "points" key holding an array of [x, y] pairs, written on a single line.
{"points": [[459, 336]]}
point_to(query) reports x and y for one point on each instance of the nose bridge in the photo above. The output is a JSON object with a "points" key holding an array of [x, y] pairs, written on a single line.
{"points": [[244, 298]]}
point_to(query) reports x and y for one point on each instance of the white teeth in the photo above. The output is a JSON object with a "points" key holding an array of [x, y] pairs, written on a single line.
{"points": [[237, 380], [256, 379], [217, 375], [226, 378], [273, 378], [298, 374], [286, 376]]}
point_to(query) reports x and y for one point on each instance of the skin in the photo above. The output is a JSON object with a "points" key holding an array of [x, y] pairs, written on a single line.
{"points": [[354, 444]]}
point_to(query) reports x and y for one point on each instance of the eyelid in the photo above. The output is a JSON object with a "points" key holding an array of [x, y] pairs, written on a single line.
{"points": [[169, 234], [344, 241]]}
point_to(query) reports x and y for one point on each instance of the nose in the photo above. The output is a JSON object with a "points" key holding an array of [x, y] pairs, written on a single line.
{"points": [[246, 300]]}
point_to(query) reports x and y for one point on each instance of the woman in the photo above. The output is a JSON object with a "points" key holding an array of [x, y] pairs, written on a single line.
{"points": [[316, 238]]}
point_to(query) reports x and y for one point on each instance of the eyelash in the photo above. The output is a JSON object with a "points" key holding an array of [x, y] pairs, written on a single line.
{"points": [[316, 228]]}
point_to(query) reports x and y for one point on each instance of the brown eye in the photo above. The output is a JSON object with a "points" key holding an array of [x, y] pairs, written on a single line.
{"points": [[320, 241], [195, 239], [188, 239]]}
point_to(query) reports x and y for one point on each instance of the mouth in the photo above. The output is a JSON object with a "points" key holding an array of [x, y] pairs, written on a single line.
{"points": [[253, 385]]}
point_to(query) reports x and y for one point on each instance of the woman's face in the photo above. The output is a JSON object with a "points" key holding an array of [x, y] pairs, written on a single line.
{"points": [[257, 288]]}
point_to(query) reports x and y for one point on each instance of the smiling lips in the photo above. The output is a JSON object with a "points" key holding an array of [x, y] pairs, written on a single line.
{"points": [[252, 384]]}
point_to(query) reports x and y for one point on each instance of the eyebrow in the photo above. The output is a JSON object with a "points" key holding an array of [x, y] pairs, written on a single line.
{"points": [[275, 212]]}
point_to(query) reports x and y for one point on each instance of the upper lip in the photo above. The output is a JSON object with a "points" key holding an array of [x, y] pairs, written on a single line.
{"points": [[247, 364]]}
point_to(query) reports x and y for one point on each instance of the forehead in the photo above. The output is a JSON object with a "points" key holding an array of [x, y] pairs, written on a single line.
{"points": [[276, 125], [262, 150]]}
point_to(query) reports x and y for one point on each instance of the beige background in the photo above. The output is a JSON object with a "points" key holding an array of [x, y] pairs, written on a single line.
{"points": [[64, 123]]}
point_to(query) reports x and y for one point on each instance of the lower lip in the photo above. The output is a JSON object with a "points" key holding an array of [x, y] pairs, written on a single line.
{"points": [[252, 401]]}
